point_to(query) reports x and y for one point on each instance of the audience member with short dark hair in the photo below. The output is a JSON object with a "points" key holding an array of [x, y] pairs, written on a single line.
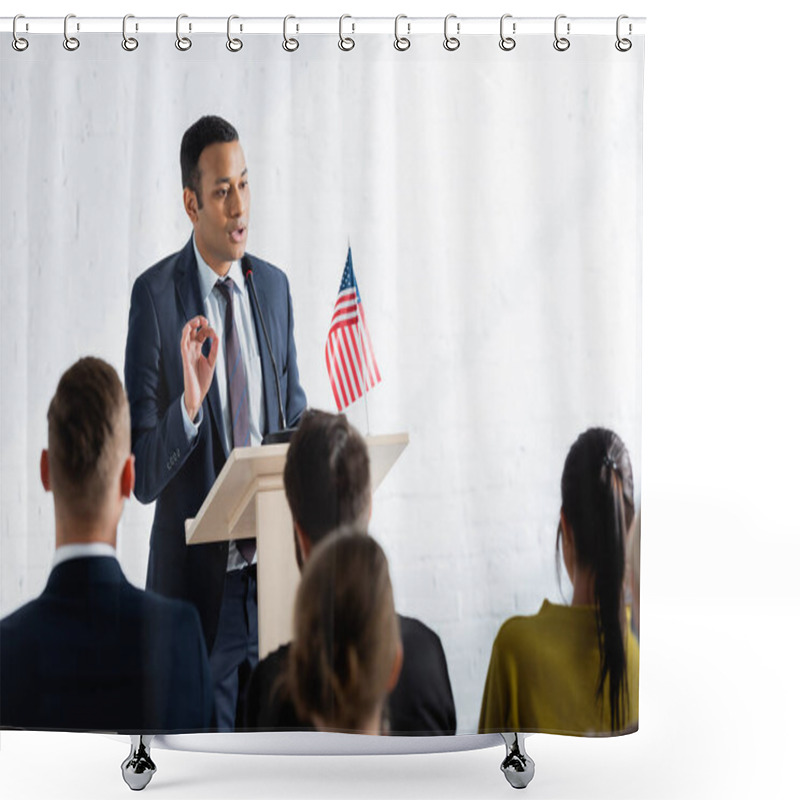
{"points": [[92, 652], [327, 481], [346, 655], [575, 669]]}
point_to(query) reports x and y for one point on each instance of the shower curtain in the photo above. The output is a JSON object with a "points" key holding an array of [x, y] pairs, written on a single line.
{"points": [[489, 203]]}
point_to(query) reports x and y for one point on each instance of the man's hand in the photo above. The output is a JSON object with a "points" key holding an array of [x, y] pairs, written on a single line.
{"points": [[198, 370]]}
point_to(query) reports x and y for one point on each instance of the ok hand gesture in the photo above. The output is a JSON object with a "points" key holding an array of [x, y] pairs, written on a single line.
{"points": [[198, 370]]}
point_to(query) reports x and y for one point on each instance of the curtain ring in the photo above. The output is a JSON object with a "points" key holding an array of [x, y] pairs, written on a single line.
{"points": [[183, 43], [506, 42], [18, 43], [234, 45], [451, 42], [128, 42], [289, 45], [401, 43], [345, 42], [561, 43], [623, 45], [70, 42]]}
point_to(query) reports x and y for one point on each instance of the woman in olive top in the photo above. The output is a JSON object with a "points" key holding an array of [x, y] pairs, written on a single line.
{"points": [[575, 669]]}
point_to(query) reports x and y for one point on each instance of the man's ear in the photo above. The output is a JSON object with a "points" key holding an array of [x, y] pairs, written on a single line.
{"points": [[128, 477], [44, 470], [190, 203], [396, 668]]}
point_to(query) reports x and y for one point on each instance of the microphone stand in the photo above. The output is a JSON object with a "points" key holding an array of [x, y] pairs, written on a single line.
{"points": [[284, 434]]}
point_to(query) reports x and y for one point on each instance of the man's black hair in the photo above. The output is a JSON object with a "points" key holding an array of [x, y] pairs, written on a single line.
{"points": [[207, 130]]}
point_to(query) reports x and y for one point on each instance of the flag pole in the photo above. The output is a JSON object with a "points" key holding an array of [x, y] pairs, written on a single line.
{"points": [[366, 386], [364, 382]]}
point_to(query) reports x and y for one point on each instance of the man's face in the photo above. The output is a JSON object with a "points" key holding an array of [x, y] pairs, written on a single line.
{"points": [[220, 225]]}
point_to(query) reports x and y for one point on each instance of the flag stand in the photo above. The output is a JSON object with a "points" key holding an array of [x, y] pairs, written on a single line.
{"points": [[364, 383]]}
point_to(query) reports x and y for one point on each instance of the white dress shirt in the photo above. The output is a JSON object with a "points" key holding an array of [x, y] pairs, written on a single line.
{"points": [[214, 305], [89, 550]]}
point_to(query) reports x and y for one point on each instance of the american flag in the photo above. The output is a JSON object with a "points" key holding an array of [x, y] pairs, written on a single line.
{"points": [[349, 357]]}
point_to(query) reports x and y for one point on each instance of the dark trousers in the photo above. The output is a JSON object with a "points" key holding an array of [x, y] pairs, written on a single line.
{"points": [[235, 651]]}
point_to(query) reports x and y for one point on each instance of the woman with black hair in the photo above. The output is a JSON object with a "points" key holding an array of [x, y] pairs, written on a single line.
{"points": [[575, 669]]}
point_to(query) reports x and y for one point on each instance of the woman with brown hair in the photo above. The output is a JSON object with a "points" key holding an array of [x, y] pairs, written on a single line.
{"points": [[575, 669], [346, 655]]}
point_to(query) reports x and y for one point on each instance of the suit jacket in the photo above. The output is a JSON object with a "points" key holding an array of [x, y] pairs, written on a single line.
{"points": [[174, 472], [420, 705], [95, 653]]}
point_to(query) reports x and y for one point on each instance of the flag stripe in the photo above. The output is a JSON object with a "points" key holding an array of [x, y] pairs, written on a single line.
{"points": [[342, 385], [355, 358], [349, 354], [352, 357], [339, 368], [345, 366], [336, 378], [330, 375], [369, 343], [367, 358]]}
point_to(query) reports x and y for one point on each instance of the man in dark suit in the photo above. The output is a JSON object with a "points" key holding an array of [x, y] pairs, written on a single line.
{"points": [[201, 378], [327, 481], [93, 652]]}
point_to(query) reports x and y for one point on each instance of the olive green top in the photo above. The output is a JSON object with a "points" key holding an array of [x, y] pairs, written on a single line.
{"points": [[543, 676]]}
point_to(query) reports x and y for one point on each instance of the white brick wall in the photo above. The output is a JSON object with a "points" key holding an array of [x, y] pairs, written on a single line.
{"points": [[493, 212]]}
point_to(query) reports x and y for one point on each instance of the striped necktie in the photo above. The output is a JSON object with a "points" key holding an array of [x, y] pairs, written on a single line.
{"points": [[237, 392]]}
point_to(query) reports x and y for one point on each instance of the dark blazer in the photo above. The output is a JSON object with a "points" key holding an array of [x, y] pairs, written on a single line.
{"points": [[420, 705], [95, 653], [170, 470]]}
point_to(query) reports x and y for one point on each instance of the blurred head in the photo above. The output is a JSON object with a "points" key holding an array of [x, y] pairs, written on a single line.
{"points": [[346, 653], [596, 514], [88, 463], [327, 478], [216, 193]]}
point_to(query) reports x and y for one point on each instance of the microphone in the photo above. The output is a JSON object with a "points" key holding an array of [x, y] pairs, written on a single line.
{"points": [[284, 434]]}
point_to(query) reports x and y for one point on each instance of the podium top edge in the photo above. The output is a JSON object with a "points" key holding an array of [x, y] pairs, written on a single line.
{"points": [[387, 438], [258, 451]]}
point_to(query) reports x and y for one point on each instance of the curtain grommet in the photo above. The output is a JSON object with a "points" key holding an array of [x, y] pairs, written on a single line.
{"points": [[71, 43], [346, 43], [451, 43], [183, 43], [289, 44], [401, 43], [129, 43], [19, 43], [623, 44], [561, 43], [233, 44], [507, 43]]}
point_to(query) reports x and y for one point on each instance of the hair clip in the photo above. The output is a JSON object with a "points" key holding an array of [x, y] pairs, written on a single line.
{"points": [[609, 462]]}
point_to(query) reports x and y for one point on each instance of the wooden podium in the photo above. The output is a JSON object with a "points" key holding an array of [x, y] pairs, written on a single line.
{"points": [[247, 499]]}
